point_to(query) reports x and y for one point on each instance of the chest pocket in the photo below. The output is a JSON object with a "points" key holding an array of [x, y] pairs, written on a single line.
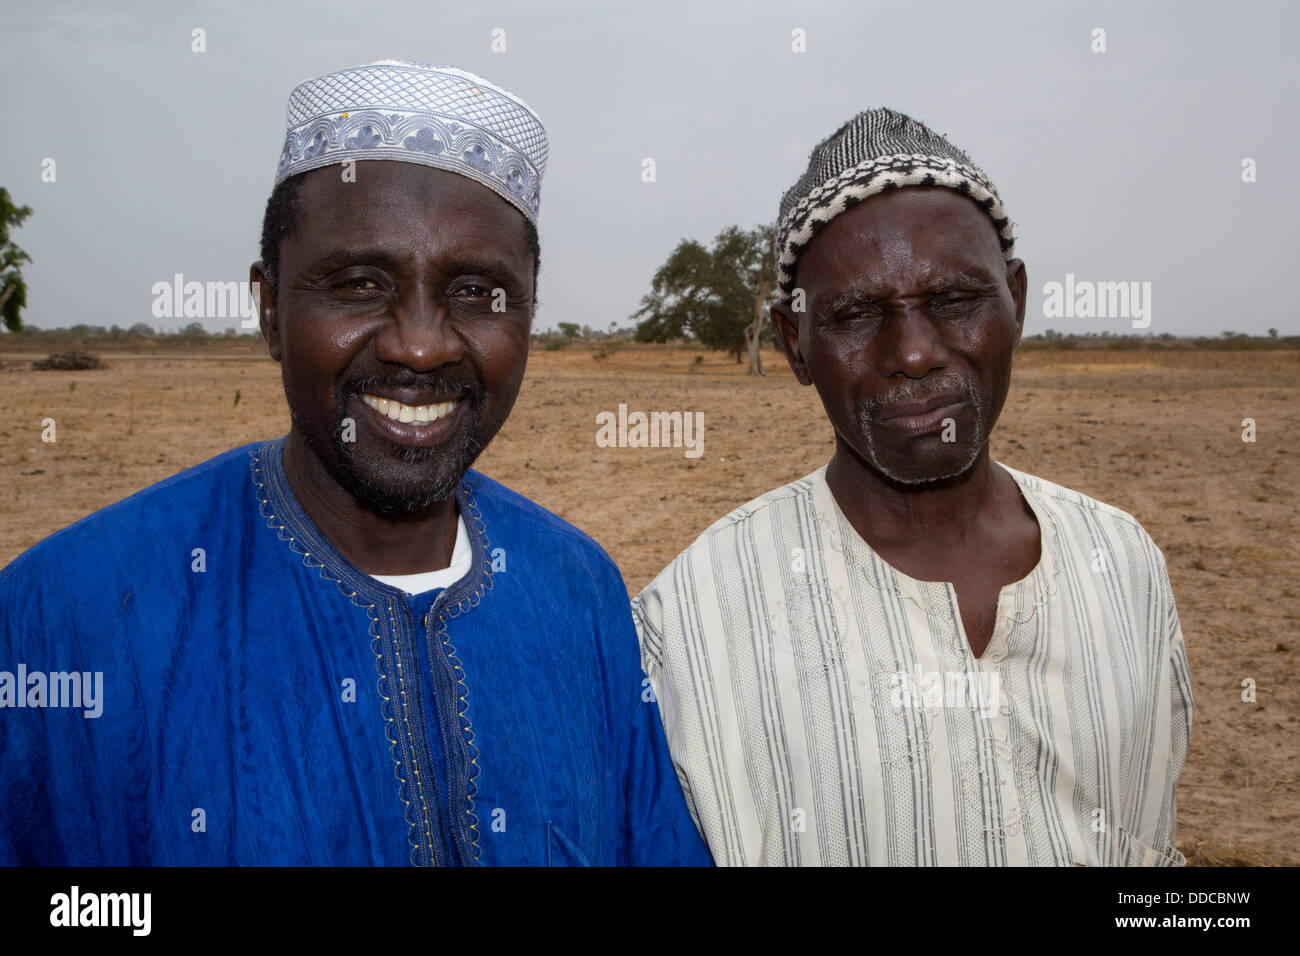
{"points": [[1133, 852], [1122, 848]]}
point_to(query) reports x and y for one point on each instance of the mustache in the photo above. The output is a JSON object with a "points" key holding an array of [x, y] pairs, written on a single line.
{"points": [[458, 386], [917, 390]]}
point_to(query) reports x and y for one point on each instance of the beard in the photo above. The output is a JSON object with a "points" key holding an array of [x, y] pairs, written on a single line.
{"points": [[962, 454], [389, 478]]}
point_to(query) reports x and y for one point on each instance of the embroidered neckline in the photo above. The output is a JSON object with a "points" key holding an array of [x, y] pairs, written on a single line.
{"points": [[280, 509], [469, 508]]}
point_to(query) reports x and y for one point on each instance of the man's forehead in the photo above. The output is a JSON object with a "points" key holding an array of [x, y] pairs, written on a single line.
{"points": [[918, 237], [374, 182], [389, 203], [911, 277]]}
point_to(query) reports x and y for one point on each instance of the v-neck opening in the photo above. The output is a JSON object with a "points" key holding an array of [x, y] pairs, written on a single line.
{"points": [[1037, 580]]}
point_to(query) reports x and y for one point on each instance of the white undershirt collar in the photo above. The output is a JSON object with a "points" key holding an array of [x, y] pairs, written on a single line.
{"points": [[461, 558]]}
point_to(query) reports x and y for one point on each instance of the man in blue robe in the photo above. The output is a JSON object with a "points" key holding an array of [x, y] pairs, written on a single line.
{"points": [[344, 646]]}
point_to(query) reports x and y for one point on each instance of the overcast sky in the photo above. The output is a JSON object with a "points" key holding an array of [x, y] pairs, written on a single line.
{"points": [[1117, 166]]}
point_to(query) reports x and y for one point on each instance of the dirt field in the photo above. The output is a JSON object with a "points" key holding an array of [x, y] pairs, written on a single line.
{"points": [[1155, 433]]}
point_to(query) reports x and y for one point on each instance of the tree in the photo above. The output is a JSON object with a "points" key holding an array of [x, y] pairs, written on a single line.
{"points": [[719, 296], [13, 290], [570, 329], [1272, 333], [681, 297], [750, 257]]}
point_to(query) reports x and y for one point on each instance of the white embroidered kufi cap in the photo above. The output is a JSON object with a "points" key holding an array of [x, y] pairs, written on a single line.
{"points": [[415, 113]]}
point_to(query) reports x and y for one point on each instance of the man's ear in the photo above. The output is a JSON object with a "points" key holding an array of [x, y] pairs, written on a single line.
{"points": [[785, 323], [266, 315], [1018, 283]]}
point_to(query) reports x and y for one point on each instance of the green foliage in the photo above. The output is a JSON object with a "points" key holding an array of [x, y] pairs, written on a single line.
{"points": [[554, 342], [13, 289], [710, 294], [571, 330]]}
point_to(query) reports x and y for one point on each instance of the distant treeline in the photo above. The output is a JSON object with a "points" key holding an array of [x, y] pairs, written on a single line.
{"points": [[612, 339], [142, 334], [1052, 339], [137, 335]]}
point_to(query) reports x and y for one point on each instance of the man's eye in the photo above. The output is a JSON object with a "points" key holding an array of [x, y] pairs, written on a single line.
{"points": [[357, 284], [954, 302], [854, 313], [472, 291]]}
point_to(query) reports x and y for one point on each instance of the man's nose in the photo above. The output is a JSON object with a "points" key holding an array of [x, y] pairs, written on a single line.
{"points": [[913, 343], [420, 334]]}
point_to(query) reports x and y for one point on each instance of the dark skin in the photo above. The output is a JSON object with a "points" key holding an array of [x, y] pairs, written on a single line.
{"points": [[386, 288], [903, 291]]}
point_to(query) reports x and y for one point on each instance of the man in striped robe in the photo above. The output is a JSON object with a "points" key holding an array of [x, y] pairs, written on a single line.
{"points": [[916, 655]]}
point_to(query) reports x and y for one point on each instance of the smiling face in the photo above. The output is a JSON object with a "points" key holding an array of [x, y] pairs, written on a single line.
{"points": [[911, 317], [403, 303]]}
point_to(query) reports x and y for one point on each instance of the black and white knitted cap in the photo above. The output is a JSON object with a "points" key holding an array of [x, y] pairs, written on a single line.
{"points": [[875, 151]]}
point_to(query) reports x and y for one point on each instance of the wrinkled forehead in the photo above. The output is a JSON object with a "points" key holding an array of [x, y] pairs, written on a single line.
{"points": [[906, 237]]}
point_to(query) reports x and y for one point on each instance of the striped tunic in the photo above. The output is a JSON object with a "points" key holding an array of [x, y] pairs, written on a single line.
{"points": [[823, 708]]}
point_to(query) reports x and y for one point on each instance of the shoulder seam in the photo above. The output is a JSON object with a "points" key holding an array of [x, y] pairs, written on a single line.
{"points": [[1069, 496]]}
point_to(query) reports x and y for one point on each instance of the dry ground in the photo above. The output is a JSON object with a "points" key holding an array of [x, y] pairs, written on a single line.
{"points": [[1155, 433]]}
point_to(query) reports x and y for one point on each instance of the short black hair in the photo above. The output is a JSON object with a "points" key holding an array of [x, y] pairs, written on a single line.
{"points": [[281, 219]]}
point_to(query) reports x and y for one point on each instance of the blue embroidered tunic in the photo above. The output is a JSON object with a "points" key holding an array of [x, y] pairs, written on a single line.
{"points": [[266, 702]]}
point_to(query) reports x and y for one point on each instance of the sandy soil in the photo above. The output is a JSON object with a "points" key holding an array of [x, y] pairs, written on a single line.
{"points": [[1157, 434]]}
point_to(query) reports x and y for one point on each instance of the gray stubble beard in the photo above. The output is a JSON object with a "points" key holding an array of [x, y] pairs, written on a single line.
{"points": [[949, 381]]}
